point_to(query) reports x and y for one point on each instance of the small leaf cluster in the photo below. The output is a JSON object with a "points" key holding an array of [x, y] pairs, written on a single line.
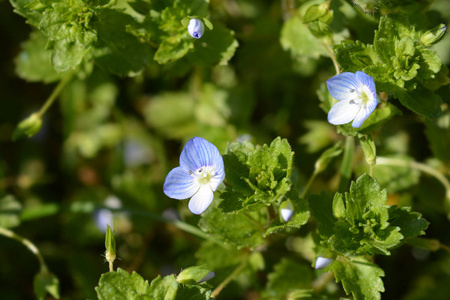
{"points": [[122, 285], [400, 62], [363, 223], [259, 176], [74, 34]]}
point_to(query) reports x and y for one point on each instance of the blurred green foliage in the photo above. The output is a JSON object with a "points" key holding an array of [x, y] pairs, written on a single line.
{"points": [[137, 87]]}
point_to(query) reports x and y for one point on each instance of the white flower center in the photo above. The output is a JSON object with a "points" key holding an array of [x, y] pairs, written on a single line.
{"points": [[362, 97], [203, 175]]}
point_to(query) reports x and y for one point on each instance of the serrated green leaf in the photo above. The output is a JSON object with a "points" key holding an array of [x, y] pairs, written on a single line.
{"points": [[362, 226], [422, 102], [411, 224], [216, 46], [193, 292], [359, 277], [355, 56], [34, 61], [163, 288], [121, 285], [300, 217], [30, 9], [287, 276], [239, 230], [10, 210], [45, 282]]}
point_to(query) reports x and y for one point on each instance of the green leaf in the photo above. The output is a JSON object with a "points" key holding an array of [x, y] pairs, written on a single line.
{"points": [[29, 127], [116, 50], [355, 56], [298, 39], [215, 47], [193, 292], [163, 288], [34, 61], [68, 28], [300, 217], [30, 9], [287, 276], [314, 12], [422, 102], [359, 277], [363, 226], [121, 285], [369, 149], [411, 223], [173, 114], [321, 209], [258, 175], [45, 282], [240, 230], [10, 210]]}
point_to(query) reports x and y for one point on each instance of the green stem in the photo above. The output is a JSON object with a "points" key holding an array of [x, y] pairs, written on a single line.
{"points": [[27, 243], [308, 184], [230, 277], [333, 58], [320, 283], [347, 163], [54, 95], [418, 166]]}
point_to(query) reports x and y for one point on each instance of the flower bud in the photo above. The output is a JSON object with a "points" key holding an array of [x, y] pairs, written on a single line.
{"points": [[29, 127], [196, 28], [433, 36], [286, 211], [322, 262]]}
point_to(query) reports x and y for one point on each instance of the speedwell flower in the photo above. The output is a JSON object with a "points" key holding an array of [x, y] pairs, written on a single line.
{"points": [[200, 172], [322, 262], [196, 28], [357, 98]]}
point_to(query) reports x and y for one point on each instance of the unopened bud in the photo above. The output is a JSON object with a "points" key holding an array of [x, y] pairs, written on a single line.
{"points": [[196, 28], [433, 36]]}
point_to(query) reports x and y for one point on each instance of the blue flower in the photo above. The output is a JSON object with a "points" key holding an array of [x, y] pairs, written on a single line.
{"points": [[196, 28], [286, 210], [357, 98], [200, 172]]}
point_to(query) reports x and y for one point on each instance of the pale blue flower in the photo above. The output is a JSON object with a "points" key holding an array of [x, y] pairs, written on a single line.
{"points": [[357, 98], [196, 28], [322, 262], [200, 172]]}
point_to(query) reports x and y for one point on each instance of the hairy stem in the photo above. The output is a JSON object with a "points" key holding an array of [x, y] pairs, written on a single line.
{"points": [[27, 243], [418, 166], [54, 95], [230, 277]]}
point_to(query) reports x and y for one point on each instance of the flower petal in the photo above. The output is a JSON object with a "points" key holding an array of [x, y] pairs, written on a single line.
{"points": [[364, 113], [343, 86], [219, 174], [343, 112], [322, 262], [198, 153], [367, 80], [201, 200], [179, 184]]}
